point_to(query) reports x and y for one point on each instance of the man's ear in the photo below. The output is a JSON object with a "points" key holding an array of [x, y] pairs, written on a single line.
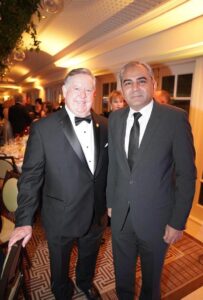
{"points": [[64, 90], [155, 85]]}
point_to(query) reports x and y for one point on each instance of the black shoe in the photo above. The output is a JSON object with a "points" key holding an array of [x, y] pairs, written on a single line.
{"points": [[92, 293]]}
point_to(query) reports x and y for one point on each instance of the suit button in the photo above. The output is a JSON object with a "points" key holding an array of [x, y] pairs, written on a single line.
{"points": [[131, 181]]}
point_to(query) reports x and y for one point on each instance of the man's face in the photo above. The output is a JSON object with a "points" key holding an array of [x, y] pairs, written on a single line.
{"points": [[79, 94], [138, 87]]}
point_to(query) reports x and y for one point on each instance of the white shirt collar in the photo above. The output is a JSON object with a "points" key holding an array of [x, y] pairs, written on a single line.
{"points": [[146, 110]]}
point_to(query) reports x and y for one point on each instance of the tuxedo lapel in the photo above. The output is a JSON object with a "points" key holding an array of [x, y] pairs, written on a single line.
{"points": [[72, 138]]}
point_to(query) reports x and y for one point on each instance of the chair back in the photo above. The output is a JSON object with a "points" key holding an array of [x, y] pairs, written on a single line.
{"points": [[10, 193], [11, 160], [5, 166], [11, 275]]}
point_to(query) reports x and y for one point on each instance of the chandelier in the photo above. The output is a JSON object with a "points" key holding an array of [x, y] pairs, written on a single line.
{"points": [[52, 6]]}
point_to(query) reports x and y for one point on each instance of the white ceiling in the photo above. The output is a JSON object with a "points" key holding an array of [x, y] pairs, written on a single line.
{"points": [[101, 34]]}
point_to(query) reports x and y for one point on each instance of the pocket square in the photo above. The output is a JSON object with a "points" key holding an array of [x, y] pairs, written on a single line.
{"points": [[106, 145]]}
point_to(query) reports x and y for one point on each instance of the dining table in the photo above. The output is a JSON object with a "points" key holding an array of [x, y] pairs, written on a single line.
{"points": [[16, 149]]}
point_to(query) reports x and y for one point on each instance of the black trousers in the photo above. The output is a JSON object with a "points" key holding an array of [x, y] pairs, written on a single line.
{"points": [[60, 252], [127, 246]]}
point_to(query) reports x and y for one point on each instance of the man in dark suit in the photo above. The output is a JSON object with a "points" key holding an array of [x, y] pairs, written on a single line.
{"points": [[150, 184], [18, 116], [67, 157]]}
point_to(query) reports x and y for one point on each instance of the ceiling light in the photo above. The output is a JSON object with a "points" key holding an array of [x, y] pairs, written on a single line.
{"points": [[53, 6]]}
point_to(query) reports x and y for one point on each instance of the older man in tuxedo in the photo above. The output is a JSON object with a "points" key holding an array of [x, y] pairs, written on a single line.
{"points": [[151, 181], [66, 161]]}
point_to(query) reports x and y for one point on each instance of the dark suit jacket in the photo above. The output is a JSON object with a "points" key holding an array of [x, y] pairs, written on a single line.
{"points": [[54, 160], [19, 118], [160, 188]]}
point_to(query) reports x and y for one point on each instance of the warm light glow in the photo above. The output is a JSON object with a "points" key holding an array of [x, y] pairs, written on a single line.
{"points": [[6, 97], [39, 87], [50, 45], [20, 70], [37, 84], [30, 79], [70, 62], [191, 50], [9, 86], [191, 47]]}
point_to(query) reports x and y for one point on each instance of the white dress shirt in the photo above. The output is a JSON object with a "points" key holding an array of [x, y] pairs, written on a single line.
{"points": [[143, 121], [85, 135]]}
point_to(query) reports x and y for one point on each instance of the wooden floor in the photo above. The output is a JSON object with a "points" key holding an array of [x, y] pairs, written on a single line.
{"points": [[182, 274]]}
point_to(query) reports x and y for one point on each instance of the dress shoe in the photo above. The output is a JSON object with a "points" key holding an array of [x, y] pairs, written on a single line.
{"points": [[92, 293]]}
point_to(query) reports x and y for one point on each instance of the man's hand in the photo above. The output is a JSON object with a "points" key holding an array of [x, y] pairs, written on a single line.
{"points": [[19, 233], [109, 212], [172, 235]]}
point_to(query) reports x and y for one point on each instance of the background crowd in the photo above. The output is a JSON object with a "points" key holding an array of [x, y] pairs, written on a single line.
{"points": [[17, 113]]}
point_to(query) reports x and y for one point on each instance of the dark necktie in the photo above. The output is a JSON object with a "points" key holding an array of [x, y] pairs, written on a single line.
{"points": [[134, 140], [78, 120]]}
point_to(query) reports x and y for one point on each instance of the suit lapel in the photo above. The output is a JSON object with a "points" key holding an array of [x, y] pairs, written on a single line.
{"points": [[72, 138], [149, 132], [122, 135]]}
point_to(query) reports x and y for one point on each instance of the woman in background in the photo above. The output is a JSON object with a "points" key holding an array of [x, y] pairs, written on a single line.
{"points": [[116, 100], [7, 129]]}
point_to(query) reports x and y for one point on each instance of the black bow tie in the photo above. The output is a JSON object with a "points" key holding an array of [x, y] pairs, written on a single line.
{"points": [[78, 120]]}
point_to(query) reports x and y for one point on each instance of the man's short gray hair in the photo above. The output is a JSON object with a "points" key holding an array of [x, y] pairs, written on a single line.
{"points": [[135, 64], [77, 72]]}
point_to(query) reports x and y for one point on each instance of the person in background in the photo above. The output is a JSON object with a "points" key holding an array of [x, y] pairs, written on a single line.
{"points": [[56, 106], [116, 100], [151, 181], [18, 116], [29, 107], [1, 111], [162, 96], [67, 157], [47, 108], [38, 110], [7, 128]]}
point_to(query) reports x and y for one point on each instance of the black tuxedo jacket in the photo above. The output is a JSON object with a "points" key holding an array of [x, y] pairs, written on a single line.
{"points": [[160, 188], [55, 168]]}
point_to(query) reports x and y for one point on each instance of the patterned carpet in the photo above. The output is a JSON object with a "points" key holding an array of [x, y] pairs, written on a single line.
{"points": [[183, 271]]}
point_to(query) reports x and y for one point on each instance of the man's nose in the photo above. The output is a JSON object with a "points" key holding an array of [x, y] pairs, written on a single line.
{"points": [[83, 93], [135, 85]]}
